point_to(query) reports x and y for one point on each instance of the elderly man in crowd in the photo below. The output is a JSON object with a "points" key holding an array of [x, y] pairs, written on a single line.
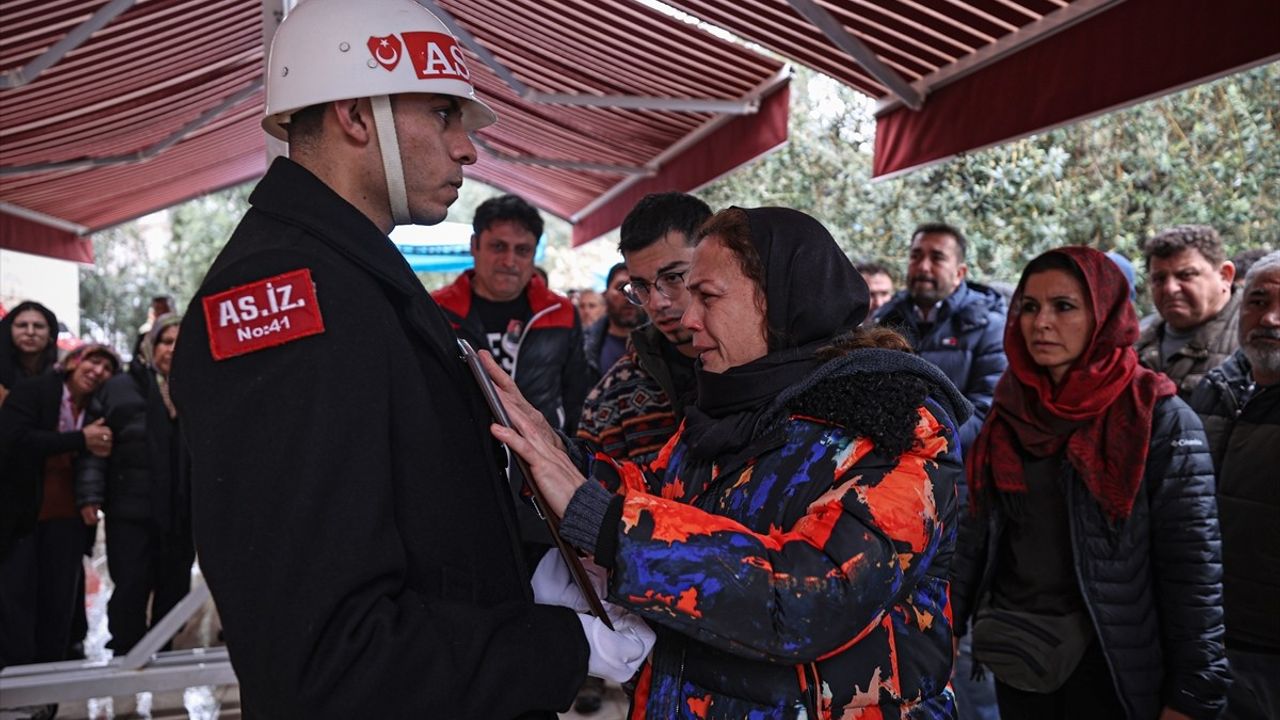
{"points": [[590, 306], [1239, 403], [1190, 279]]}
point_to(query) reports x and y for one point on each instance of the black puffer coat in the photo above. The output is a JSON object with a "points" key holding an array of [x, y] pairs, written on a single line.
{"points": [[1152, 584], [28, 436], [147, 476]]}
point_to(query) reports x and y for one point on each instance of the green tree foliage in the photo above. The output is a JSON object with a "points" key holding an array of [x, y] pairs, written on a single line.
{"points": [[165, 255], [1210, 155], [200, 229], [116, 290]]}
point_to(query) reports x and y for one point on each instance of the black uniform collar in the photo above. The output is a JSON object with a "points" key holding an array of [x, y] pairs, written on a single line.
{"points": [[295, 195]]}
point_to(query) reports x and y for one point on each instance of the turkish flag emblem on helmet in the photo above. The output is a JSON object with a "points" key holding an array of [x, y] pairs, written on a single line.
{"points": [[386, 50]]}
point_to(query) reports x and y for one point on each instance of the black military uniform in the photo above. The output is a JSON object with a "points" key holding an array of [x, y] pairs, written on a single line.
{"points": [[350, 512]]}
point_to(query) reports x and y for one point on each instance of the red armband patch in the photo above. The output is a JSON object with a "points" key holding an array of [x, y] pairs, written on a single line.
{"points": [[262, 314]]}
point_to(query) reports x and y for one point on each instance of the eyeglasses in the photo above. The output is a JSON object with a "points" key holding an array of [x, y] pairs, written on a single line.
{"points": [[668, 284]]}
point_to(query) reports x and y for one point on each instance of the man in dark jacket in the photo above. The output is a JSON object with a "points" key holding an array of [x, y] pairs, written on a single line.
{"points": [[959, 327], [605, 340], [349, 507], [1191, 286], [954, 324], [1239, 403], [639, 402], [501, 306]]}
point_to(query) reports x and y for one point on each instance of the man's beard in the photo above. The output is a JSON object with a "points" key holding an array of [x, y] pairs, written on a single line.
{"points": [[1266, 359], [925, 289], [627, 320]]}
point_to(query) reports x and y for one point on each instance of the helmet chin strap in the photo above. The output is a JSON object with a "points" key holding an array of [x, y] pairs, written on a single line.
{"points": [[392, 169]]}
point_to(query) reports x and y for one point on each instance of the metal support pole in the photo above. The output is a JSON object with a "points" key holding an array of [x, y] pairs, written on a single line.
{"points": [[21, 76], [859, 51]]}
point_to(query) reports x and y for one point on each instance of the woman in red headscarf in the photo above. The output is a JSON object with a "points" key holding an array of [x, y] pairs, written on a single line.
{"points": [[1089, 568]]}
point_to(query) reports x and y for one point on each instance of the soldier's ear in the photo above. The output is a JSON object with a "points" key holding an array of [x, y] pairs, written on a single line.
{"points": [[354, 120]]}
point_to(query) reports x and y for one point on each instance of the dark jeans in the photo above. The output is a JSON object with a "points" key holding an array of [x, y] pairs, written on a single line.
{"points": [[143, 561], [1255, 688], [1088, 693], [38, 592]]}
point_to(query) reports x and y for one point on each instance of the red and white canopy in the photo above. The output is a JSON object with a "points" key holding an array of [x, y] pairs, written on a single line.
{"points": [[110, 109]]}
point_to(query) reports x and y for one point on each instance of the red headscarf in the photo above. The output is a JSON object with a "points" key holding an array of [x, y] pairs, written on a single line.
{"points": [[1101, 410]]}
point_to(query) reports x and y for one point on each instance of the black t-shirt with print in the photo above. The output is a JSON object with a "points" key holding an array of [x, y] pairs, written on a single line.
{"points": [[503, 324]]}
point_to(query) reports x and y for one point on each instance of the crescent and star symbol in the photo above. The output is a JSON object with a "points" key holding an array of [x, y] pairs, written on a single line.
{"points": [[385, 50], [395, 54]]}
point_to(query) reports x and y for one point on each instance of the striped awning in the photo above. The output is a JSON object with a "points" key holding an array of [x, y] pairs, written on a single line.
{"points": [[958, 75], [112, 109], [115, 109]]}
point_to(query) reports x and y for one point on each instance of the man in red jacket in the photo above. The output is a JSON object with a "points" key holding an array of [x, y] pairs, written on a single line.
{"points": [[501, 306]]}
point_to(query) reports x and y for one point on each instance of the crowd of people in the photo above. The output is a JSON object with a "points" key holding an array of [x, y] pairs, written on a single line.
{"points": [[798, 492], [81, 437]]}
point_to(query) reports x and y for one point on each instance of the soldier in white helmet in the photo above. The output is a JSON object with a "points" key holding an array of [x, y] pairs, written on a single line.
{"points": [[350, 509]]}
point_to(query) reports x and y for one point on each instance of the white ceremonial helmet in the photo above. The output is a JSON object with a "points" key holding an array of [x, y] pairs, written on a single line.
{"points": [[328, 50]]}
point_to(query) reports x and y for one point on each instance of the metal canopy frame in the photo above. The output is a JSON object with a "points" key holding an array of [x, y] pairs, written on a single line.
{"points": [[745, 106], [25, 74], [143, 669], [905, 93]]}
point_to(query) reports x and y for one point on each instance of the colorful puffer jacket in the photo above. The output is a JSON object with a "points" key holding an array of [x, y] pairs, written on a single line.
{"points": [[807, 576]]}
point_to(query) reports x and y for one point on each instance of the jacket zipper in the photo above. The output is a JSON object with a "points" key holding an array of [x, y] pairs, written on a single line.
{"points": [[515, 362], [1088, 604]]}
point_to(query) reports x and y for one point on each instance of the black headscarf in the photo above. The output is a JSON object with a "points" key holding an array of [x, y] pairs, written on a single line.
{"points": [[812, 294], [11, 369]]}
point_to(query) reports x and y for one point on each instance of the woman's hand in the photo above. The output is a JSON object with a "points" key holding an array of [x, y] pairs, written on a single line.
{"points": [[97, 438], [535, 441], [89, 514], [527, 419], [555, 474]]}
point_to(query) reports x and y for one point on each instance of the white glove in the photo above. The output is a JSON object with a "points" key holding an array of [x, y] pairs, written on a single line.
{"points": [[553, 584], [616, 654]]}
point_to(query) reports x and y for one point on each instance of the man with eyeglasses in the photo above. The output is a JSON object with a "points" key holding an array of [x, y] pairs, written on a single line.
{"points": [[605, 340], [639, 402]]}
